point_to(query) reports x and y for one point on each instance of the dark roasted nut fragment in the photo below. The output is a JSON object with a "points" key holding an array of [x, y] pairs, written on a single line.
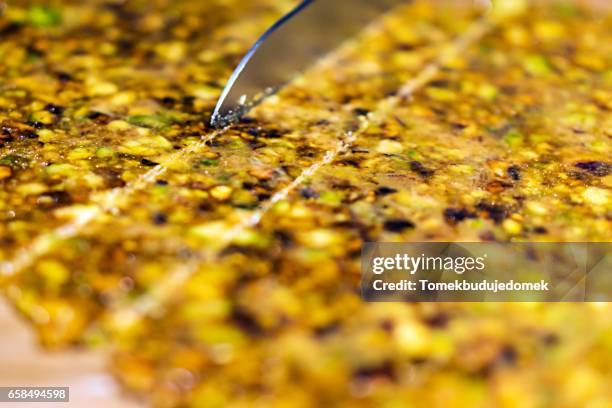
{"points": [[514, 172], [496, 212], [54, 199], [160, 219], [420, 169], [148, 163], [361, 112], [55, 109], [308, 192], [596, 168], [456, 215], [383, 191], [398, 225]]}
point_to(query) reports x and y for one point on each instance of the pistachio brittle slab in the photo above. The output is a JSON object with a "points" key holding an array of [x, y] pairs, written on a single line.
{"points": [[81, 116], [510, 140], [296, 330], [218, 183]]}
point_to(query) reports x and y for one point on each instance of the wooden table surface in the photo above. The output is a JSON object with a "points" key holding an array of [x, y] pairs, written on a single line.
{"points": [[24, 363]]}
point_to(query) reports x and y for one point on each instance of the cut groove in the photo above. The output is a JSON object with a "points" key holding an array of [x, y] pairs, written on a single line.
{"points": [[107, 202]]}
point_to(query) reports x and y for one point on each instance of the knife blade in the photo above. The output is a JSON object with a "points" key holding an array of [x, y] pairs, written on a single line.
{"points": [[309, 31]]}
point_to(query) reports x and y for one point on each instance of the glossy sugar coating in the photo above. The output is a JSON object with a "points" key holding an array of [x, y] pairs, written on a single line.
{"points": [[216, 290]]}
